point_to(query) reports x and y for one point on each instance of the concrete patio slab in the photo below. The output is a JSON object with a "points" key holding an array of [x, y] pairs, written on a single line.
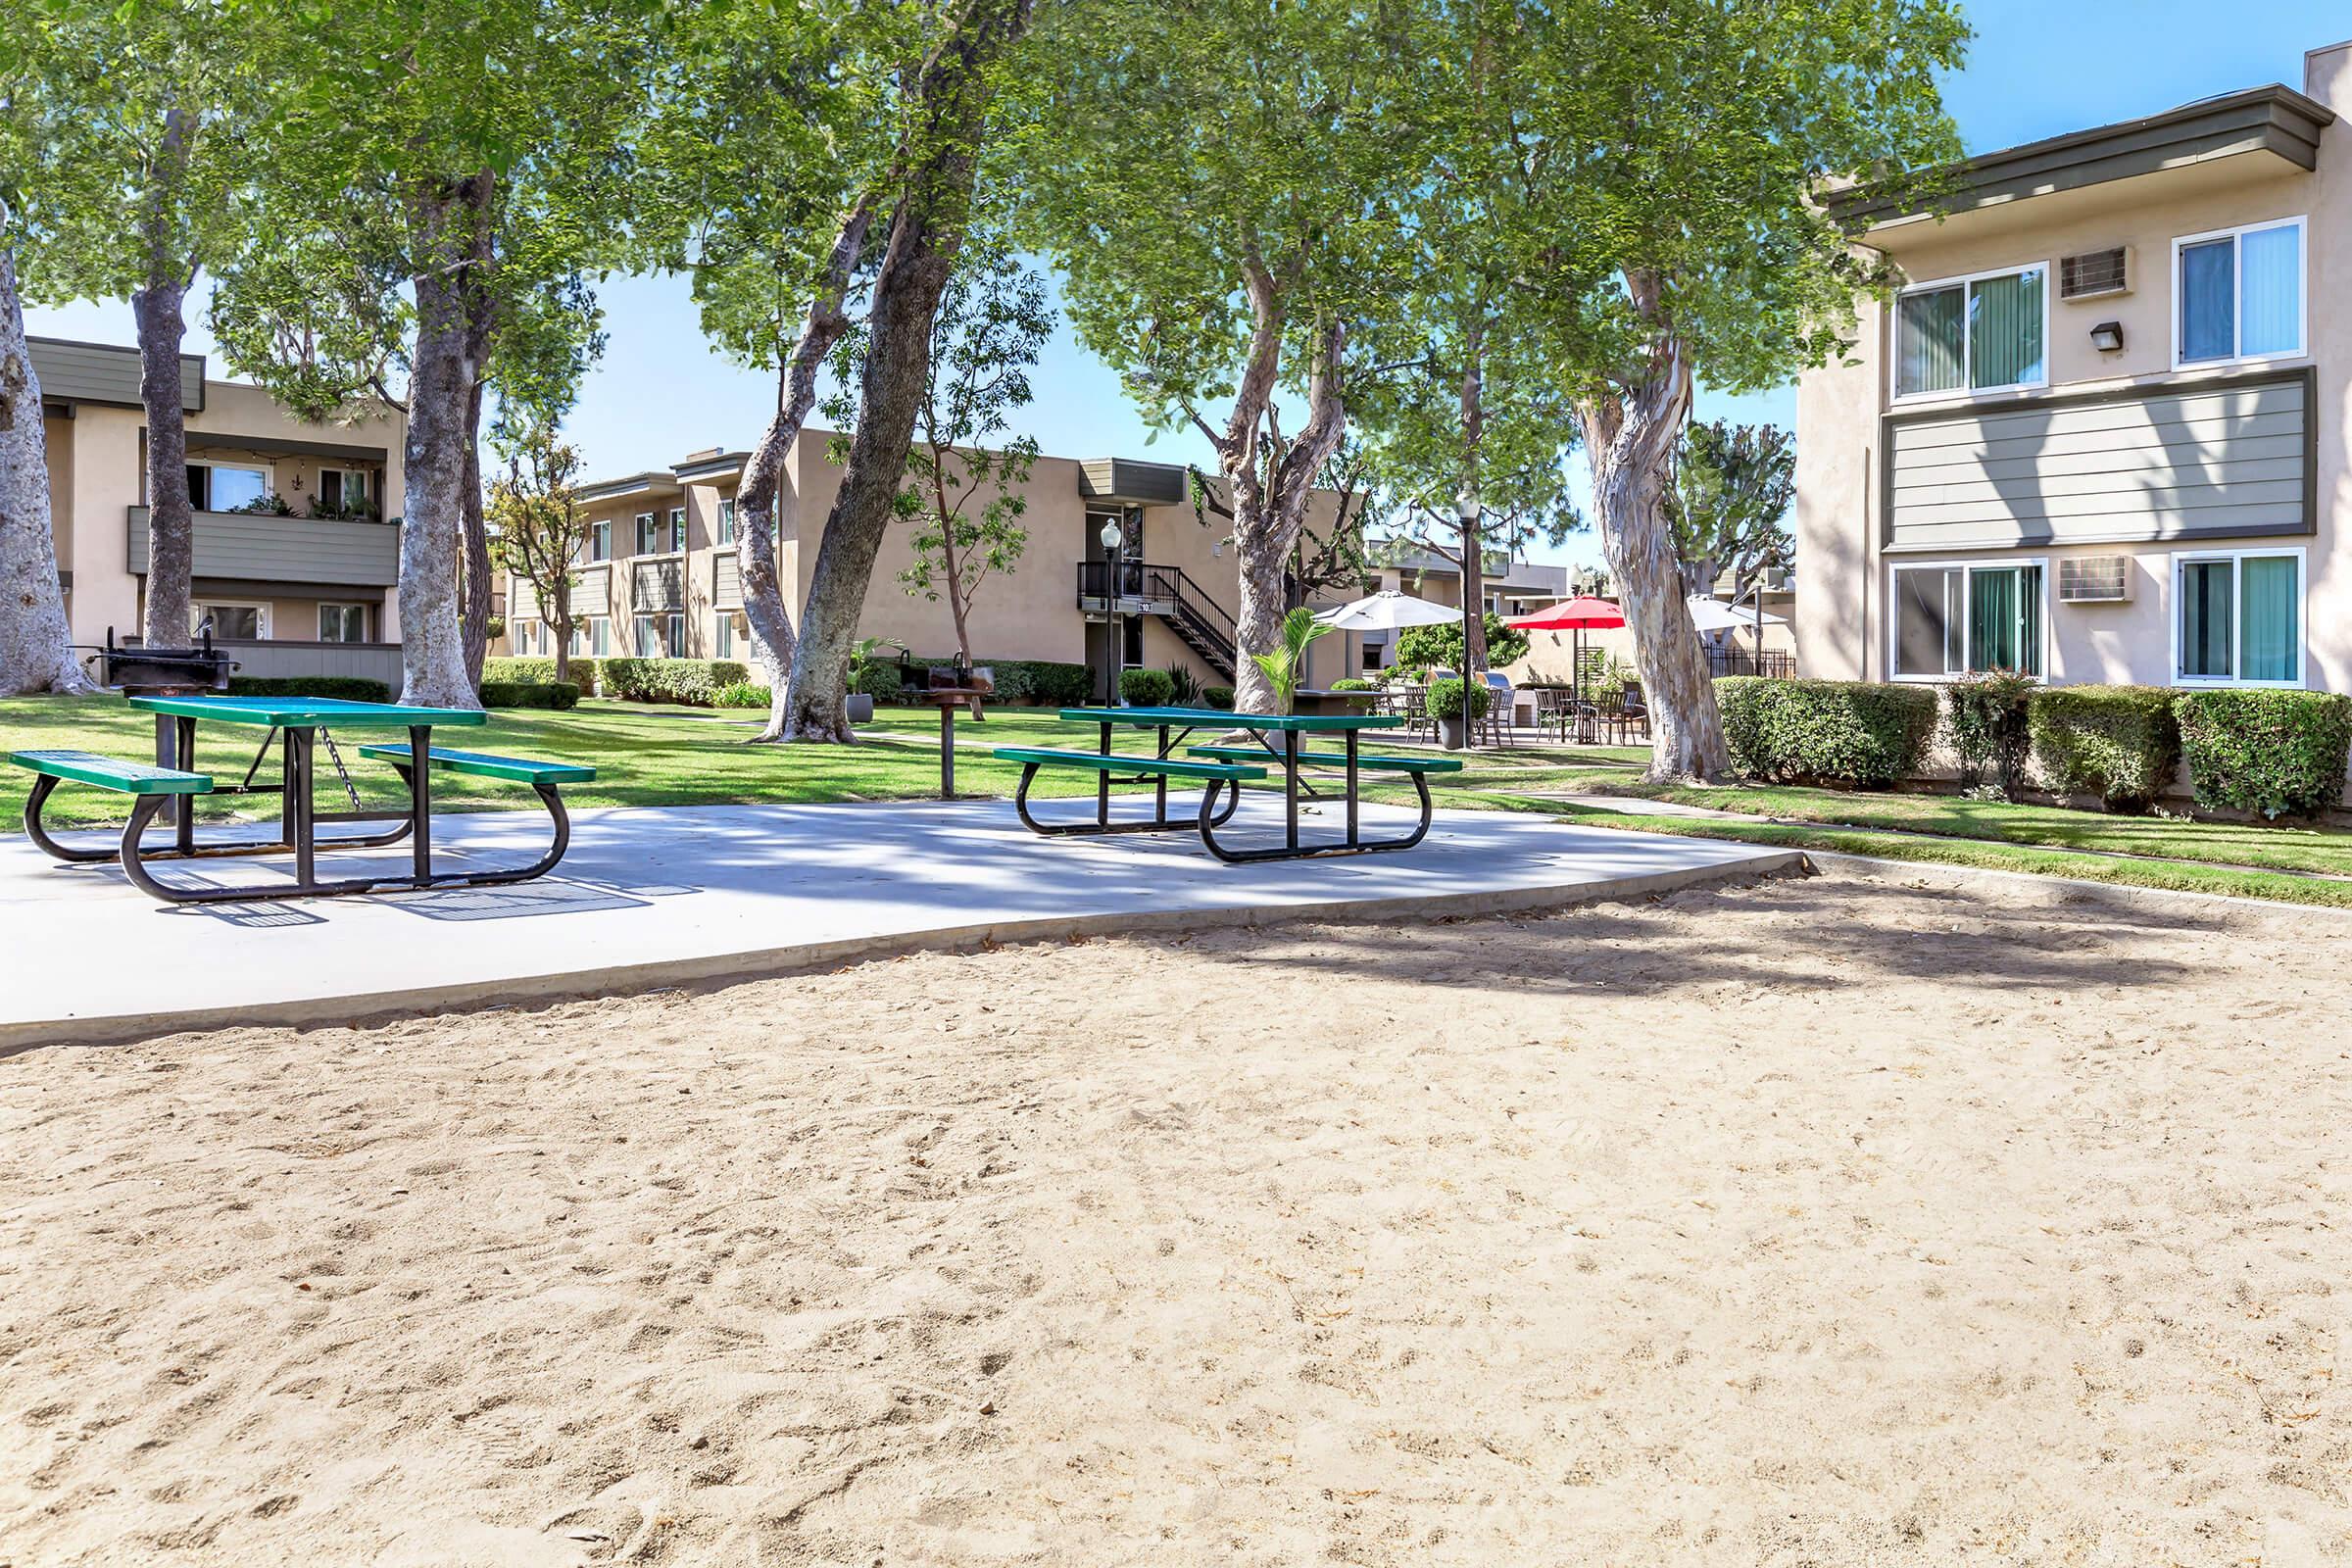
{"points": [[654, 897]]}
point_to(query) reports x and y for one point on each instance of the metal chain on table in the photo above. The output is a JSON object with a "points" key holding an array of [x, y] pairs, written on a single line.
{"points": [[350, 790]]}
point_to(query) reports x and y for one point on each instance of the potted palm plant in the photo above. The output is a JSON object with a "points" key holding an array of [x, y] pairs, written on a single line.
{"points": [[1284, 666]]}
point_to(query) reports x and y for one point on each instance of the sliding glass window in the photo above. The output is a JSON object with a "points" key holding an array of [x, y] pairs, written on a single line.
{"points": [[1980, 334], [1951, 619], [2241, 294], [2238, 619]]}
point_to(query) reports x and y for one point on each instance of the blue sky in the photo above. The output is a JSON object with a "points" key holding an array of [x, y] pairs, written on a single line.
{"points": [[2035, 70]]}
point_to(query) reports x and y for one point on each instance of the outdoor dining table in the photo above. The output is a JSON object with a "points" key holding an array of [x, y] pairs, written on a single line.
{"points": [[296, 722], [1278, 734]]}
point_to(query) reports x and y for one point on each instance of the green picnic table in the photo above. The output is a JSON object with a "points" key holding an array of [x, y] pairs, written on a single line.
{"points": [[295, 723], [1272, 740]]}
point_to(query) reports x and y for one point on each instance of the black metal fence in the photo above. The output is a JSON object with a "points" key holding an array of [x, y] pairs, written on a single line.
{"points": [[1771, 663]]}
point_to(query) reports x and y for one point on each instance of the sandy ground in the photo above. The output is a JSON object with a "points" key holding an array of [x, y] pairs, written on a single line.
{"points": [[1852, 1221]]}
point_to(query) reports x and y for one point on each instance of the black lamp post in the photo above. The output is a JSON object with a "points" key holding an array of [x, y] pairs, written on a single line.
{"points": [[1113, 536]]}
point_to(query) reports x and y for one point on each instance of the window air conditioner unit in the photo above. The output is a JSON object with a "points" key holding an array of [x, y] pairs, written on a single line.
{"points": [[2095, 580], [2095, 272]]}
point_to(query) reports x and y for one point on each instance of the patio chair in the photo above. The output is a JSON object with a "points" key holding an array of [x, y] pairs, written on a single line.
{"points": [[1496, 723]]}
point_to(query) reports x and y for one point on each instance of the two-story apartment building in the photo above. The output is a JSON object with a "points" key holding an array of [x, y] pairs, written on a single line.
{"points": [[2103, 433], [296, 560], [660, 576]]}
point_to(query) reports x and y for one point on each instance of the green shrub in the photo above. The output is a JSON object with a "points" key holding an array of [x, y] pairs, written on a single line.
{"points": [[1217, 696], [1442, 643], [743, 694], [873, 679], [551, 694], [1044, 683], [2271, 753], [1791, 731], [340, 688], [688, 683], [1352, 683], [1146, 688], [1445, 699], [1184, 687], [2120, 743], [509, 670], [1984, 718]]}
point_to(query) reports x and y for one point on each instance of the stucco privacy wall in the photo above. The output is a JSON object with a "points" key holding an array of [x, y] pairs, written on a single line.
{"points": [[1841, 620]]}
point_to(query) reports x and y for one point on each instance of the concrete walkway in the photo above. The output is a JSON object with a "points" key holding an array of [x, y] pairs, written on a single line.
{"points": [[651, 897]]}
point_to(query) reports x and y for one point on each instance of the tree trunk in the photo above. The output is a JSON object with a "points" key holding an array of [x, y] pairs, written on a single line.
{"points": [[1269, 511], [926, 231], [473, 609], [162, 326], [1630, 434], [763, 611], [562, 605], [442, 380], [33, 635], [1467, 509]]}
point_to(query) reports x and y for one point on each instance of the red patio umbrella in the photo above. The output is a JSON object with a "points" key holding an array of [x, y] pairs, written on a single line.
{"points": [[1575, 615]]}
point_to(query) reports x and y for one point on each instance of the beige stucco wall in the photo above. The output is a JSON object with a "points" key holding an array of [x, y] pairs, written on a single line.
{"points": [[1841, 629]]}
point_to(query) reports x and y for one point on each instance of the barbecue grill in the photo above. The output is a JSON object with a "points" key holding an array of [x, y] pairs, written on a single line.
{"points": [[143, 671]]}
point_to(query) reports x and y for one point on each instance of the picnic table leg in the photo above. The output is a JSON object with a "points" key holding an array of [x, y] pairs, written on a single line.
{"points": [[306, 851], [947, 751], [1290, 786], [1159, 784], [1103, 786], [1352, 836], [183, 749], [421, 802]]}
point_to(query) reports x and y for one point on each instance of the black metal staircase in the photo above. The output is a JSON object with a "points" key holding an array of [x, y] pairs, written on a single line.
{"points": [[1166, 593]]}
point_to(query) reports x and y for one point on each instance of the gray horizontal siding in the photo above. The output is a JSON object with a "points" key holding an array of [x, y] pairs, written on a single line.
{"points": [[100, 372], [284, 659], [726, 581], [2205, 461], [1150, 484], [522, 601], [657, 584], [262, 548]]}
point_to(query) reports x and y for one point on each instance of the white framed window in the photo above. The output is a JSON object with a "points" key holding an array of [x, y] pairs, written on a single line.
{"points": [[342, 623], [231, 621], [1981, 333], [2237, 618], [226, 486], [1954, 618], [662, 636], [726, 522], [600, 539], [647, 533], [677, 530], [343, 490], [2239, 294], [600, 635], [728, 633]]}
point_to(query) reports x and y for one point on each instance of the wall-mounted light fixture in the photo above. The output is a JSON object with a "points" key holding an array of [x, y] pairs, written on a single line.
{"points": [[2107, 337]]}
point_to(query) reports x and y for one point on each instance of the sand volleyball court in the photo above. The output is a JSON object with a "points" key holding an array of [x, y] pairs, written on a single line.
{"points": [[1859, 1220]]}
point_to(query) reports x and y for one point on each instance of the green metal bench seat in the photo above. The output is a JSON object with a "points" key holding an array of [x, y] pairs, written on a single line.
{"points": [[107, 774], [482, 765], [1368, 763], [1103, 765]]}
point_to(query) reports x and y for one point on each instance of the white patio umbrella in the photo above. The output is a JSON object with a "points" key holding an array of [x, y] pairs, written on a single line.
{"points": [[1713, 614], [1387, 610]]}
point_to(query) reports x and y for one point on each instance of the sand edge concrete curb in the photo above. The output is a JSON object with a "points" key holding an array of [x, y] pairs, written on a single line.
{"points": [[802, 957]]}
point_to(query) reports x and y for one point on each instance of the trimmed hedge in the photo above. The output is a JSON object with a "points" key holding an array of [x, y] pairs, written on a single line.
{"points": [[878, 680], [746, 694], [1217, 697], [1146, 688], [1445, 699], [341, 688], [1044, 683], [1984, 718], [1795, 731], [2120, 743], [2271, 753], [579, 672], [558, 694], [689, 682], [1350, 683]]}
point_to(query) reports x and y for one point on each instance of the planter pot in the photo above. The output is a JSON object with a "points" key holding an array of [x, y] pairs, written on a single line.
{"points": [[1450, 733], [859, 707]]}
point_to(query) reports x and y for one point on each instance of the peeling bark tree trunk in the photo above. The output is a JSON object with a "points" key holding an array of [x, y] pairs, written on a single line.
{"points": [[1269, 500], [764, 609], [162, 327], [473, 609], [445, 220], [1629, 435], [926, 231], [1468, 512], [33, 655]]}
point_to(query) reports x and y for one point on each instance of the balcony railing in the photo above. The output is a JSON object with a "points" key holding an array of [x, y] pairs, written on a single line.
{"points": [[260, 547]]}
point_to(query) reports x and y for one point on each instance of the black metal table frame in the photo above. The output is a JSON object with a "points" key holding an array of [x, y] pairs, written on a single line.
{"points": [[1209, 817], [297, 830]]}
